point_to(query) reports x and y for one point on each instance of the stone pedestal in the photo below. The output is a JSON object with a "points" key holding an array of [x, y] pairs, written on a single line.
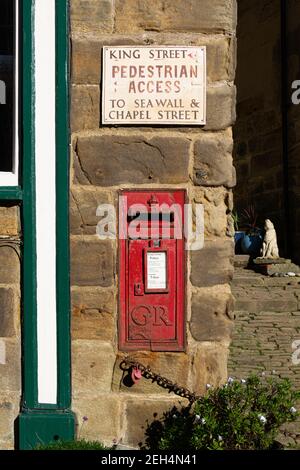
{"points": [[273, 266]]}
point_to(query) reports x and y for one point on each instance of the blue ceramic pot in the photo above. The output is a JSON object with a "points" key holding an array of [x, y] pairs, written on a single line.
{"points": [[238, 236], [251, 244]]}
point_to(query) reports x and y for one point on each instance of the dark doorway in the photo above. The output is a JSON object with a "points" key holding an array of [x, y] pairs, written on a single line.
{"points": [[267, 130], [6, 85]]}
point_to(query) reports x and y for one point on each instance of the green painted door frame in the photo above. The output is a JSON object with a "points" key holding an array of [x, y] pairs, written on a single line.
{"points": [[41, 422]]}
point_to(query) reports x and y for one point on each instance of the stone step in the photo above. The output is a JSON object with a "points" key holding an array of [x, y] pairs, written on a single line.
{"points": [[265, 292], [266, 305], [248, 278], [280, 268], [241, 261]]}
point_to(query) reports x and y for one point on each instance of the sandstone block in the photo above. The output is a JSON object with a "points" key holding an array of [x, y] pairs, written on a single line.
{"points": [[220, 107], [8, 413], [83, 207], [86, 53], [92, 262], [85, 107], [174, 366], [86, 61], [213, 160], [8, 311], [212, 316], [6, 419], [105, 415], [140, 413], [175, 15], [221, 59], [213, 264], [10, 366], [92, 313], [92, 370], [75, 219], [91, 15], [10, 221], [9, 266], [214, 201], [113, 160], [7, 445], [209, 366]]}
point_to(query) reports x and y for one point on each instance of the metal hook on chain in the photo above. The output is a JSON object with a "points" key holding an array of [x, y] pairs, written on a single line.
{"points": [[139, 370]]}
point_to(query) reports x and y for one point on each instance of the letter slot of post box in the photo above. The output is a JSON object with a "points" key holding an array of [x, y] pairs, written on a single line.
{"points": [[152, 270]]}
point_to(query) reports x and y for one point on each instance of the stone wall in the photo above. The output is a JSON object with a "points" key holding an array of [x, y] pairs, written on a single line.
{"points": [[293, 60], [10, 342], [258, 130], [105, 159]]}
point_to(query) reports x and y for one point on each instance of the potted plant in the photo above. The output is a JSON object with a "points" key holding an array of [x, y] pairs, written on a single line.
{"points": [[238, 234], [251, 242]]}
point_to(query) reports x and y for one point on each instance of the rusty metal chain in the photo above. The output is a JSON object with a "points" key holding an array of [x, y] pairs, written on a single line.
{"points": [[128, 363]]}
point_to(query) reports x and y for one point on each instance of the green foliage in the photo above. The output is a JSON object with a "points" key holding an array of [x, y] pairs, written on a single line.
{"points": [[236, 220], [240, 415], [81, 444]]}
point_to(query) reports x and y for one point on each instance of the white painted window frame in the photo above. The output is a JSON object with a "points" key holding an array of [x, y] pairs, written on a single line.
{"points": [[12, 178]]}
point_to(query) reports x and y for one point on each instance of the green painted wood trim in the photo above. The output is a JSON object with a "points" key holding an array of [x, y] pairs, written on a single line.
{"points": [[62, 205], [29, 317], [29, 321], [43, 427], [11, 193], [46, 421]]}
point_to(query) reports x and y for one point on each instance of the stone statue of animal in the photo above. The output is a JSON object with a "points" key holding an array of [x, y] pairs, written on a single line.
{"points": [[270, 247]]}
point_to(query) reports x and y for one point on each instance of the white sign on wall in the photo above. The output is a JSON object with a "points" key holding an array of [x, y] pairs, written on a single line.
{"points": [[154, 85], [156, 270]]}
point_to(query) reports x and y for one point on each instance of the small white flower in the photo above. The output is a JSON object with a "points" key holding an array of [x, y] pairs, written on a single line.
{"points": [[243, 381], [274, 372], [203, 421], [220, 438], [230, 380], [263, 374], [208, 386], [262, 419], [197, 418], [174, 416], [293, 410]]}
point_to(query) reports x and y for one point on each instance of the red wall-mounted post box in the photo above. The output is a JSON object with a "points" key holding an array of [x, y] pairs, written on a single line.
{"points": [[152, 270]]}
